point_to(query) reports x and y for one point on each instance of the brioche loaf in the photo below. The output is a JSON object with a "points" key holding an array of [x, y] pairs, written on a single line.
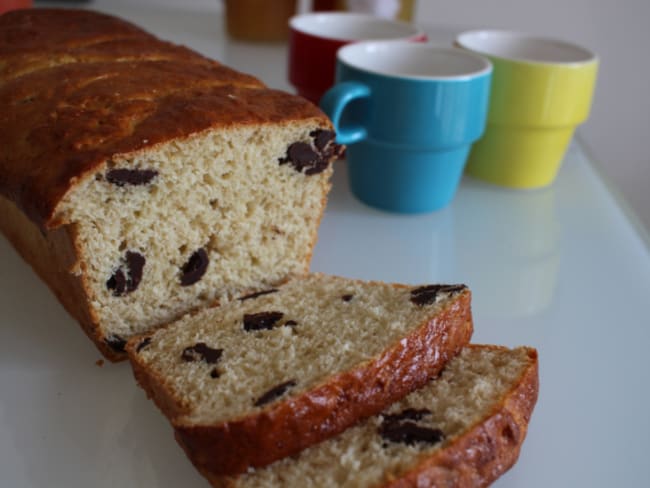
{"points": [[142, 180], [464, 429], [263, 377]]}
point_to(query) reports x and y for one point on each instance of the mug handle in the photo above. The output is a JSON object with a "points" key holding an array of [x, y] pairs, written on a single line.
{"points": [[333, 103]]}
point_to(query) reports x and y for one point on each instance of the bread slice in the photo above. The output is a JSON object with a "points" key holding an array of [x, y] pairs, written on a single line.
{"points": [[142, 180], [463, 429], [262, 378]]}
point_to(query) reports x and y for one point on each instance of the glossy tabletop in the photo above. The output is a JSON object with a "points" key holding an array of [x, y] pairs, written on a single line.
{"points": [[563, 269]]}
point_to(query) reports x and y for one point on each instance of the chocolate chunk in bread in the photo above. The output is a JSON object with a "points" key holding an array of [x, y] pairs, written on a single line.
{"points": [[257, 294], [195, 267], [127, 277], [201, 352], [125, 176], [410, 433], [274, 393], [261, 320]]}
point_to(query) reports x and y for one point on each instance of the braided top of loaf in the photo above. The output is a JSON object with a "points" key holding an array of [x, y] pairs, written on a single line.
{"points": [[78, 87]]}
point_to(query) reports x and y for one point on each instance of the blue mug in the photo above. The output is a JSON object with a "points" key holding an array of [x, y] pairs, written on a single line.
{"points": [[409, 113]]}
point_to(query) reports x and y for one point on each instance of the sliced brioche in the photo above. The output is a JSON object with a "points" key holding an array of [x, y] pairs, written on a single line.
{"points": [[463, 429], [261, 378]]}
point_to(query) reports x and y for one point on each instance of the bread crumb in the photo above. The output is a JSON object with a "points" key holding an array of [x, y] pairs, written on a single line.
{"points": [[99, 362]]}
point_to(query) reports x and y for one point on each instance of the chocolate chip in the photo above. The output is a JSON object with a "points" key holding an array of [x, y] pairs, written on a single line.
{"points": [[290, 323], [322, 138], [215, 373], [325, 145], [319, 167], [201, 351], [195, 268], [257, 294], [410, 433], [127, 277], [123, 176], [303, 156], [261, 320], [145, 342], [275, 392], [426, 295], [117, 283], [347, 298], [135, 261], [115, 342], [401, 427], [407, 414]]}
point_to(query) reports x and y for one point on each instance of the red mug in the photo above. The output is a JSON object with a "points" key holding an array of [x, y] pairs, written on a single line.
{"points": [[7, 5], [315, 38]]}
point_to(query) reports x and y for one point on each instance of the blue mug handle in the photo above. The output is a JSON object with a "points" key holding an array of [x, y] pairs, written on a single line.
{"points": [[333, 103]]}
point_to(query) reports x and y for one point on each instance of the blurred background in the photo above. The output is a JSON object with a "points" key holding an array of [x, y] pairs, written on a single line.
{"points": [[617, 133]]}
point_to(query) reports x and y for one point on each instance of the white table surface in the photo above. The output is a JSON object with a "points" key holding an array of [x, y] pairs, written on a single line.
{"points": [[562, 269]]}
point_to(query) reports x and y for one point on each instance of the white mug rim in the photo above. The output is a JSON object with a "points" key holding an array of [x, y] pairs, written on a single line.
{"points": [[485, 65], [297, 23], [470, 40]]}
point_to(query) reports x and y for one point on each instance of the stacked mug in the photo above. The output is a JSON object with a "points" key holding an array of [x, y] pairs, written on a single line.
{"points": [[415, 116]]}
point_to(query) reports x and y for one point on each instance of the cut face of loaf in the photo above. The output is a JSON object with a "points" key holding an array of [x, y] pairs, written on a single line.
{"points": [[465, 428], [194, 221], [142, 180], [265, 376]]}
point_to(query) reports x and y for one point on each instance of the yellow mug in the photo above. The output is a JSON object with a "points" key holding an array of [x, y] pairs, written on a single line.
{"points": [[541, 91]]}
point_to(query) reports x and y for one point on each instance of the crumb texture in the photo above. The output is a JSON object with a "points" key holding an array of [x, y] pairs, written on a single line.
{"points": [[218, 216]]}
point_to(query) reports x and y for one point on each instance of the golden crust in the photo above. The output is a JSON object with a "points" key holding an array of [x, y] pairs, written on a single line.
{"points": [[53, 256], [287, 427], [107, 88], [487, 449]]}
